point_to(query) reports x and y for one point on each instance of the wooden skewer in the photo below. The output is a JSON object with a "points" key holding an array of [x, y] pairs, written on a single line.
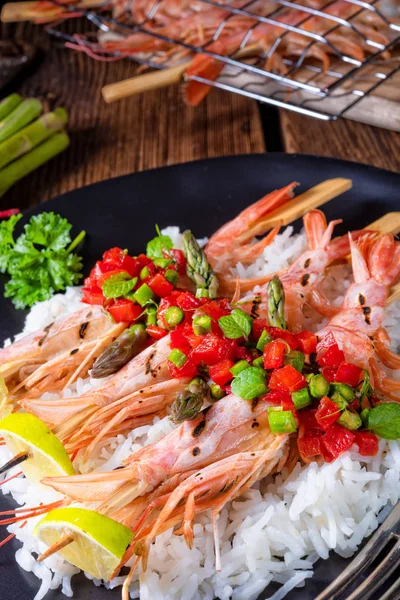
{"points": [[302, 204], [395, 294], [389, 223], [14, 12], [65, 540], [158, 79]]}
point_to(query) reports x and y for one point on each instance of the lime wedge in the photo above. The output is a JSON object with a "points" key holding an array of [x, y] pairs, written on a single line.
{"points": [[23, 432], [99, 542]]}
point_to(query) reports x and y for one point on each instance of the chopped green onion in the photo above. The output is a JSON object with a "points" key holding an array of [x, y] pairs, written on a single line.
{"points": [[144, 273], [296, 359], [216, 392], [174, 315], [238, 367], [301, 398], [143, 294], [172, 276], [259, 362], [319, 386], [282, 421], [162, 263], [151, 315], [178, 358], [339, 400], [201, 324], [265, 338], [364, 416], [344, 390], [350, 420]]}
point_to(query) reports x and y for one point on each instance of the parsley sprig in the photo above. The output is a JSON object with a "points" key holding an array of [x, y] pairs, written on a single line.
{"points": [[40, 261]]}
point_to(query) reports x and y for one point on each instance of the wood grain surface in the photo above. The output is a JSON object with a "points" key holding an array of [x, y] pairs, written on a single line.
{"points": [[157, 129]]}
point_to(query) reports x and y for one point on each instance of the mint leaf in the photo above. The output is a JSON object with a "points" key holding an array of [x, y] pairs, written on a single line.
{"points": [[236, 325], [384, 420], [250, 383], [118, 285], [155, 247]]}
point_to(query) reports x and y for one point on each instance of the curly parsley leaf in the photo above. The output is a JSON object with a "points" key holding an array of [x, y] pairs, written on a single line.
{"points": [[7, 239], [236, 325], [250, 383], [41, 261]]}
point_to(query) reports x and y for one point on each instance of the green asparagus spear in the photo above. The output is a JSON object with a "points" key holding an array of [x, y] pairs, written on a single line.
{"points": [[276, 303], [23, 141], [188, 403], [25, 112], [8, 104], [120, 352], [32, 160], [198, 268]]}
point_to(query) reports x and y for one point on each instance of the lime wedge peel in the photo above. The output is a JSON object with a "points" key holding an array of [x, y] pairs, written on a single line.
{"points": [[98, 545], [24, 432]]}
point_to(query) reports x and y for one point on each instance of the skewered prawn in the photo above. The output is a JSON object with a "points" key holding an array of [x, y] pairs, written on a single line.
{"points": [[357, 328], [56, 354]]}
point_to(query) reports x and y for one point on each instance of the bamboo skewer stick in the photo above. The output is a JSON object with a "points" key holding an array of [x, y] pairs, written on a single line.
{"points": [[395, 293], [389, 223], [65, 540], [14, 12], [158, 79]]}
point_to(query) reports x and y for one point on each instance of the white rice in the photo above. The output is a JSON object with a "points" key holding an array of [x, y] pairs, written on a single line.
{"points": [[274, 533]]}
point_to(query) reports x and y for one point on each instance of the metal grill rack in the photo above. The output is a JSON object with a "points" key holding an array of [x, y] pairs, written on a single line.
{"points": [[305, 87]]}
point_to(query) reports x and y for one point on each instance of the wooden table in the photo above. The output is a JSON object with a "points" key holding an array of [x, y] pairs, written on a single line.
{"points": [[157, 129]]}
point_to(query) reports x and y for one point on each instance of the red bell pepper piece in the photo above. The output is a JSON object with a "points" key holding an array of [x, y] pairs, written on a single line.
{"points": [[124, 311], [348, 373], [277, 397], [332, 357], [258, 327], [309, 422], [179, 339], [284, 335], [286, 378], [188, 370], [336, 441], [93, 295], [143, 261], [131, 265], [309, 446], [329, 373], [213, 309], [327, 413], [273, 354], [186, 301], [307, 341], [242, 353], [220, 373], [367, 443], [213, 349], [179, 259], [160, 286], [156, 332]]}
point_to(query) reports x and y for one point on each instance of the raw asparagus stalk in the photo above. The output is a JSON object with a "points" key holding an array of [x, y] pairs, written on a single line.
{"points": [[276, 303], [198, 268], [8, 104], [32, 160], [21, 116], [33, 135]]}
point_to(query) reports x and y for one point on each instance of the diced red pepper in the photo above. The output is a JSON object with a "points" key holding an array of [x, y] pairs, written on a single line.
{"points": [[277, 397], [309, 422], [164, 306], [103, 278], [124, 311], [213, 309], [220, 373], [336, 441], [332, 357], [156, 332], [186, 301], [179, 340], [287, 378], [152, 270], [327, 413], [273, 354], [309, 446], [287, 404], [179, 258], [242, 353], [93, 295], [329, 373], [258, 327], [114, 255], [131, 265], [160, 286], [188, 370], [367, 443], [143, 260], [285, 335], [213, 349], [308, 341], [348, 373]]}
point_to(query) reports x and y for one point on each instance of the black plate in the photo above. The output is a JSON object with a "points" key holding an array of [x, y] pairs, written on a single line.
{"points": [[200, 195]]}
